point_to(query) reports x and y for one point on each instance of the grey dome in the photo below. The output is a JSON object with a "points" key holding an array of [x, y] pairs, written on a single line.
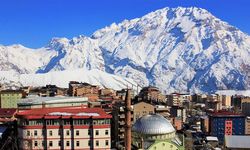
{"points": [[153, 125]]}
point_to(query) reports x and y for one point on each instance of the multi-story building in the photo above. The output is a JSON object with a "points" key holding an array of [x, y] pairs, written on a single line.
{"points": [[118, 124], [180, 112], [151, 94], [245, 106], [214, 102], [226, 101], [247, 126], [64, 128], [177, 99], [204, 124], [83, 89], [236, 102], [226, 123], [10, 98]]}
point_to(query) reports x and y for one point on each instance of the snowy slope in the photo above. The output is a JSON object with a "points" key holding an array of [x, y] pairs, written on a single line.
{"points": [[176, 49], [22, 59], [62, 78]]}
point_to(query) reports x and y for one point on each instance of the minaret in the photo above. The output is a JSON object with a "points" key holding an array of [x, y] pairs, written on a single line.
{"points": [[128, 121]]}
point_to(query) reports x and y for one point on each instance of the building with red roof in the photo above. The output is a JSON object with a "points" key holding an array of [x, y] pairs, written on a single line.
{"points": [[7, 115], [64, 128]]}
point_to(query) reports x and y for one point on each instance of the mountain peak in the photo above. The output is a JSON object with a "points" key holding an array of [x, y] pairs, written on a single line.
{"points": [[176, 49]]}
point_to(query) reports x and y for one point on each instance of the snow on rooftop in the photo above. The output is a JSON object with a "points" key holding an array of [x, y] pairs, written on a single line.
{"points": [[211, 138], [60, 114], [57, 99], [87, 114], [69, 114], [234, 92]]}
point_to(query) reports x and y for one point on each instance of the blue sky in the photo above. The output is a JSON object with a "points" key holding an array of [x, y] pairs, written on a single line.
{"points": [[33, 23]]}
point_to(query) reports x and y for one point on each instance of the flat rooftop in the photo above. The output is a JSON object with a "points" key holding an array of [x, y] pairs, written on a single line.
{"points": [[237, 141], [46, 100]]}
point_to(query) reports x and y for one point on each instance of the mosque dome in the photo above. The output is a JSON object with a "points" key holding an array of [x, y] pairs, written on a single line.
{"points": [[153, 125]]}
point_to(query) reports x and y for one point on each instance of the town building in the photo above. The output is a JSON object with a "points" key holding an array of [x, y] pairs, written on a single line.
{"points": [[236, 102], [151, 94], [177, 99], [64, 128], [141, 108], [118, 124], [214, 102], [83, 89], [180, 112], [154, 132], [118, 121], [204, 124], [245, 106], [57, 101], [226, 101], [10, 98], [7, 115], [247, 126], [226, 123], [162, 110]]}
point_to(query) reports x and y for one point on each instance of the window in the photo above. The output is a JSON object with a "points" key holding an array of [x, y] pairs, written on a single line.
{"points": [[107, 142], [96, 132], [59, 143], [77, 132], [89, 143], [50, 133], [96, 143], [106, 132], [89, 131], [77, 143], [59, 132], [50, 143], [28, 133], [67, 144], [35, 133], [67, 132], [35, 143]]}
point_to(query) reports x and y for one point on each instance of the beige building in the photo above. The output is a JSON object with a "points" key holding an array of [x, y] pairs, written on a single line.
{"points": [[64, 128], [247, 126], [141, 109], [118, 123], [151, 93], [177, 99], [226, 101], [214, 102]]}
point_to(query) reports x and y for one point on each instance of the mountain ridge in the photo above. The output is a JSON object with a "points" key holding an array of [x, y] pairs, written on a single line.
{"points": [[175, 49]]}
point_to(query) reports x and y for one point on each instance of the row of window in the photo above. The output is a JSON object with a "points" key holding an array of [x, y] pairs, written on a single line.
{"points": [[67, 132], [50, 144], [65, 122]]}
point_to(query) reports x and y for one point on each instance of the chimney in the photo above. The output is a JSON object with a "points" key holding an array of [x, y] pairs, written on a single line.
{"points": [[128, 121]]}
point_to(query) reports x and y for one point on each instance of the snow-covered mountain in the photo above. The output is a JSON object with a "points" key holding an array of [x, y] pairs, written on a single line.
{"points": [[175, 49], [62, 78]]}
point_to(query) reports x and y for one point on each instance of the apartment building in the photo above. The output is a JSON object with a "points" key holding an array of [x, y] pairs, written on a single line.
{"points": [[10, 98], [64, 128]]}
